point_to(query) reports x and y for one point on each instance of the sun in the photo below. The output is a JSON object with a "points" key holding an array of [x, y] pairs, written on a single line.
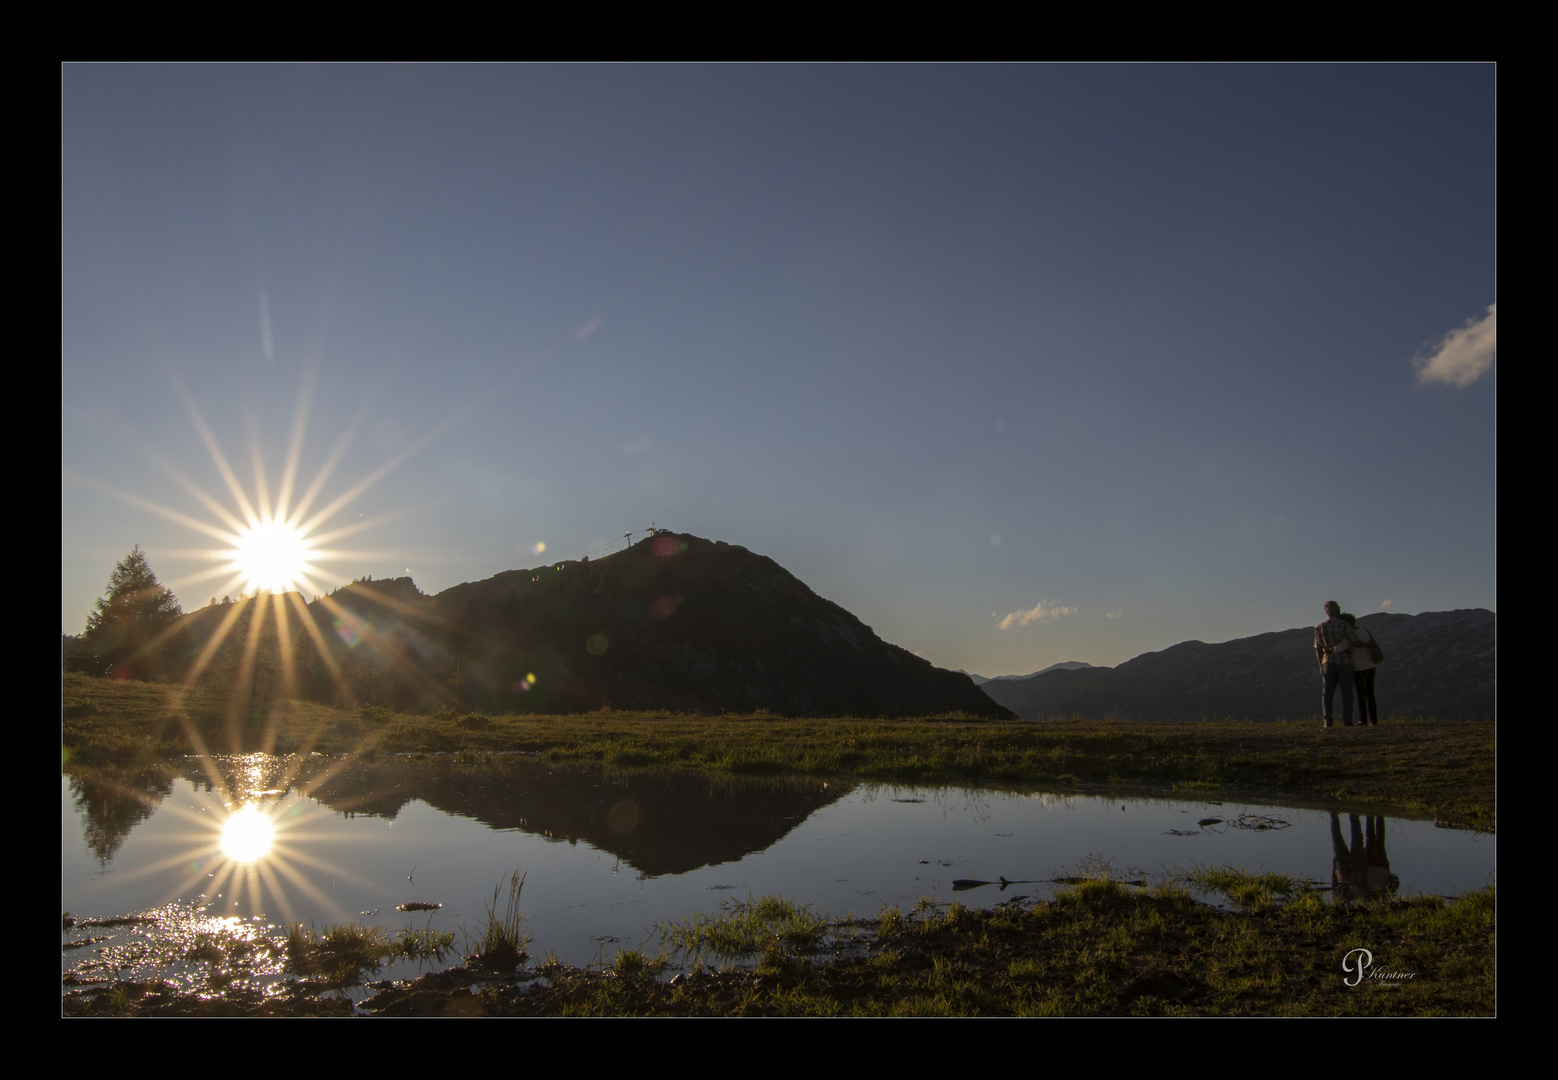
{"points": [[273, 556]]}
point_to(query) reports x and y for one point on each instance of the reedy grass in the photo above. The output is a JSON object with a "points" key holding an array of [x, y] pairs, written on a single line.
{"points": [[502, 942]]}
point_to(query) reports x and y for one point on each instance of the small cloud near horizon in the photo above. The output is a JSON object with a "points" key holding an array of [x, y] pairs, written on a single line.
{"points": [[588, 328], [1386, 603], [1464, 355], [1114, 614], [1038, 611]]}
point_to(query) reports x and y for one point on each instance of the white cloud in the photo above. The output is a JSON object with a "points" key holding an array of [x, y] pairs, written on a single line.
{"points": [[1386, 603], [1464, 355], [1114, 614], [1041, 610]]}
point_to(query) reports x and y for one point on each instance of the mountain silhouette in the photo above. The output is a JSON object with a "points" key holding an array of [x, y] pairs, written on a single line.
{"points": [[1439, 663], [674, 622]]}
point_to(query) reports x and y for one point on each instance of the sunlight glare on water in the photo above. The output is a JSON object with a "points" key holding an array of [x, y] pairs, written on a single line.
{"points": [[248, 835]]}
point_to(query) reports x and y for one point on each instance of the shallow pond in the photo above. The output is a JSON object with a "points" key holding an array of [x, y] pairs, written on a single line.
{"points": [[607, 855]]}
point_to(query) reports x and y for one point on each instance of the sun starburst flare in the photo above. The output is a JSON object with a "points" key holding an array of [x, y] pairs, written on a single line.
{"points": [[273, 538]]}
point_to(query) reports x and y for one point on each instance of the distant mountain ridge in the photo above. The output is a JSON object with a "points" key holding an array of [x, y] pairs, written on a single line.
{"points": [[1438, 663], [1064, 665]]}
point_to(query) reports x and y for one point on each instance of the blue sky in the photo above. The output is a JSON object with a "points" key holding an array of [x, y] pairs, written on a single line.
{"points": [[1017, 363]]}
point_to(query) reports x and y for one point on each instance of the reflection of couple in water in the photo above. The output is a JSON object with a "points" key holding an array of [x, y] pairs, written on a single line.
{"points": [[1361, 869]]}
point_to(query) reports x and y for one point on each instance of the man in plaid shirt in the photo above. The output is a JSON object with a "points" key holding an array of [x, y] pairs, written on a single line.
{"points": [[1334, 640]]}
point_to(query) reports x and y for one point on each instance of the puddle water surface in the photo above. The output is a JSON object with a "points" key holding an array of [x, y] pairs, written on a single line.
{"points": [[605, 856]]}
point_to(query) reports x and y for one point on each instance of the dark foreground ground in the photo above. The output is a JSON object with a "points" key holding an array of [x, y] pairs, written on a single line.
{"points": [[1099, 949]]}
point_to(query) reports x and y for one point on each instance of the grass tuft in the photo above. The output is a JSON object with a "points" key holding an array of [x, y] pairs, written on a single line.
{"points": [[341, 954], [890, 921], [630, 962], [1250, 890], [425, 943], [746, 928], [502, 942]]}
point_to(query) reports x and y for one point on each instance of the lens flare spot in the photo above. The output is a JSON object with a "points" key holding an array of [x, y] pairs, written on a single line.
{"points": [[663, 607], [624, 817], [521, 686], [349, 631], [248, 835], [597, 645], [540, 547], [665, 545]]}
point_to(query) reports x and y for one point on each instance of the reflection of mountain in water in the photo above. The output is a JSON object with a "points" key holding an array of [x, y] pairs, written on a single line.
{"points": [[656, 822]]}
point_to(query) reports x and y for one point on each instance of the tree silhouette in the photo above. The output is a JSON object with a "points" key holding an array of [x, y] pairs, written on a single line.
{"points": [[123, 633]]}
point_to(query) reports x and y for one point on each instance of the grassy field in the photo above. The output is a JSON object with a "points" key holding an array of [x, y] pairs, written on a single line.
{"points": [[1413, 766]]}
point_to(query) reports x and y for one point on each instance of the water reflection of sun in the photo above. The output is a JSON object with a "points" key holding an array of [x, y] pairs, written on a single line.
{"points": [[248, 835], [243, 848]]}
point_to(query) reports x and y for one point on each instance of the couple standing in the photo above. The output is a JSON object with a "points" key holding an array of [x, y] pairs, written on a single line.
{"points": [[1346, 654]]}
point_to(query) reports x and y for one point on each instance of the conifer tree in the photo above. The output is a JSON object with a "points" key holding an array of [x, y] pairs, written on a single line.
{"points": [[122, 633]]}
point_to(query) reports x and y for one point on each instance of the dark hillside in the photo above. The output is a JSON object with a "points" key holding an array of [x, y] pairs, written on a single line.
{"points": [[674, 622], [678, 622]]}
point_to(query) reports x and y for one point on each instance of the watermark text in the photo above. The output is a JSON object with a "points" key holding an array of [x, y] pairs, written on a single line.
{"points": [[1358, 965]]}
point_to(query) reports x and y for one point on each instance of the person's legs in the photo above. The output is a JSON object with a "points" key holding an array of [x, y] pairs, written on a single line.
{"points": [[1368, 709], [1328, 679]]}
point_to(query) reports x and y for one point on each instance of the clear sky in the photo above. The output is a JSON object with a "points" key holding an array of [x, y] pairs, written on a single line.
{"points": [[1017, 363]]}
